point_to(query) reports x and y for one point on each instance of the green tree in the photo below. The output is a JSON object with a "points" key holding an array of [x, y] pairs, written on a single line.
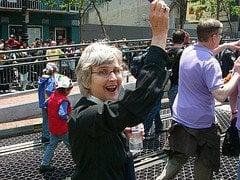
{"points": [[83, 6], [225, 8], [229, 8]]}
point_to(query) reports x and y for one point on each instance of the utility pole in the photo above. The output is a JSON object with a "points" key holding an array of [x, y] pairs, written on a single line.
{"points": [[25, 20]]}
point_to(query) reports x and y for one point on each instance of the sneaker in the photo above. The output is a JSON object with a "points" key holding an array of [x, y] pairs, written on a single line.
{"points": [[45, 140], [45, 168]]}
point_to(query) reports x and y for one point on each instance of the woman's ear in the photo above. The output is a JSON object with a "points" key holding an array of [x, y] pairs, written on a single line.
{"points": [[86, 85]]}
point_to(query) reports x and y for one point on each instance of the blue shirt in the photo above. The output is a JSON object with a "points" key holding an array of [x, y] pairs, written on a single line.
{"points": [[62, 111], [46, 86]]}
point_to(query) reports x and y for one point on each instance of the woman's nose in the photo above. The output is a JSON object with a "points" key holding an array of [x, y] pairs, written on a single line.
{"points": [[112, 74]]}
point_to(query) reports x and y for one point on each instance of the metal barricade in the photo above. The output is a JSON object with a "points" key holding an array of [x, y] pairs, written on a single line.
{"points": [[21, 68], [15, 71]]}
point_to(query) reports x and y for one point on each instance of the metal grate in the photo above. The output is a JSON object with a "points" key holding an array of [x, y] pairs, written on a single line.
{"points": [[223, 118], [25, 164], [20, 139], [228, 170]]}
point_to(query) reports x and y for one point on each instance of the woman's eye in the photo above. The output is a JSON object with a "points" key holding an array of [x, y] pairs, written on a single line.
{"points": [[117, 71], [103, 72]]}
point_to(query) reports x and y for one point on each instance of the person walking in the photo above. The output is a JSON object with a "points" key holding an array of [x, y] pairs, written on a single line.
{"points": [[174, 54], [194, 132], [59, 109]]}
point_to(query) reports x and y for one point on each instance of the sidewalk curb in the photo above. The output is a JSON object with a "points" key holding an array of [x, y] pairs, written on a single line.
{"points": [[20, 130], [37, 127]]}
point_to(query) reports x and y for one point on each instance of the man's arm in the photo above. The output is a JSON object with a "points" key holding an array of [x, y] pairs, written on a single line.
{"points": [[235, 45], [62, 112], [223, 92], [233, 102]]}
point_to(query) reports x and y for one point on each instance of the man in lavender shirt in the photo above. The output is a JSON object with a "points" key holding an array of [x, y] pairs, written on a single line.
{"points": [[194, 132]]}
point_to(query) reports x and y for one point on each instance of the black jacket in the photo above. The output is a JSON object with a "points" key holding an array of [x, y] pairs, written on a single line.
{"points": [[95, 130], [174, 56]]}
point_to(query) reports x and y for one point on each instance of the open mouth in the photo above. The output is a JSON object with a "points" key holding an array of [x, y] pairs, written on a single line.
{"points": [[112, 88]]}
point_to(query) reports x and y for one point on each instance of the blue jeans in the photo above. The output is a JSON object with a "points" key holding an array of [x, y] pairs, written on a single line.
{"points": [[154, 115], [45, 131], [172, 94], [49, 152]]}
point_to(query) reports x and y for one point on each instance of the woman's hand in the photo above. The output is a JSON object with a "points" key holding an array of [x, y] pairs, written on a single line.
{"points": [[159, 20], [128, 131]]}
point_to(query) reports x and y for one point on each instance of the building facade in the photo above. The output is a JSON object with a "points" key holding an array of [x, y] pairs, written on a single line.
{"points": [[122, 19], [40, 20], [134, 13]]}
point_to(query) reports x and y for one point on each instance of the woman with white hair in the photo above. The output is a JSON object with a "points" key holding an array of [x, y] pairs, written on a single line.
{"points": [[98, 144]]}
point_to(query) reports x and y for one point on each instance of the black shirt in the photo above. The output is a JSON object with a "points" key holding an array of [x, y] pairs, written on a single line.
{"points": [[95, 129], [174, 55]]}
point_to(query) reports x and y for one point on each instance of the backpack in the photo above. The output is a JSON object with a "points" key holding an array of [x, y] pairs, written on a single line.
{"points": [[135, 64], [174, 55]]}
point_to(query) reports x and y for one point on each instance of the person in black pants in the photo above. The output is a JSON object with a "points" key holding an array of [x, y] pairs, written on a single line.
{"points": [[174, 54]]}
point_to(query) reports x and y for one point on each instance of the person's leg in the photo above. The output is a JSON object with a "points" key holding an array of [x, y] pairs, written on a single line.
{"points": [[49, 153], [157, 118], [158, 121], [154, 115], [208, 155], [24, 81], [148, 122], [172, 94], [201, 170], [21, 81], [174, 164], [45, 130], [238, 171], [65, 139]]}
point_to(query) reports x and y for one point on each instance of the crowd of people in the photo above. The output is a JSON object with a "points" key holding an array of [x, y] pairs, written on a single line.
{"points": [[27, 74], [96, 129]]}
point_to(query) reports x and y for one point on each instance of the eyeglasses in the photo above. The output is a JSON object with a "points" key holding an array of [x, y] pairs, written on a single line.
{"points": [[106, 72], [219, 34]]}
